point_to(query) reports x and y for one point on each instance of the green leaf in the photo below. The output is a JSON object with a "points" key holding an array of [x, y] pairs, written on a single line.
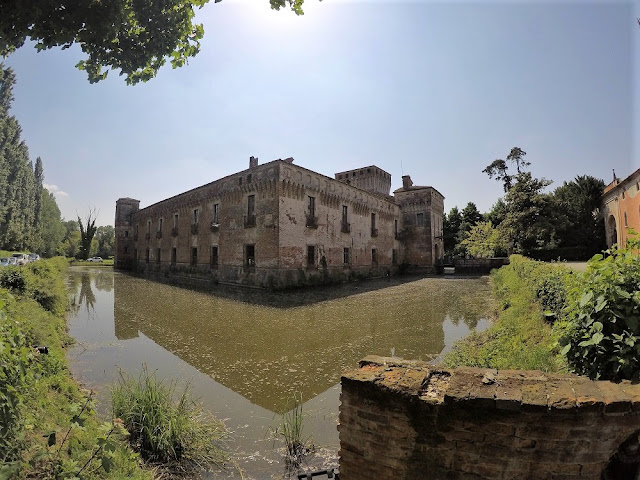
{"points": [[597, 338], [107, 464], [602, 303], [566, 349], [586, 298]]}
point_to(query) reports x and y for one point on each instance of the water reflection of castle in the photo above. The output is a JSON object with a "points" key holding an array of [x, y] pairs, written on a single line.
{"points": [[265, 353]]}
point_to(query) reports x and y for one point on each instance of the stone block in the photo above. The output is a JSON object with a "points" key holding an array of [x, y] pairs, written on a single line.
{"points": [[616, 400]]}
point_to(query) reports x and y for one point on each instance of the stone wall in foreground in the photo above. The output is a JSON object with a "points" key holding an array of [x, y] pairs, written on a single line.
{"points": [[407, 419]]}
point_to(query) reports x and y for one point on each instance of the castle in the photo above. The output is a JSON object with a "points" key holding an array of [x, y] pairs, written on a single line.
{"points": [[279, 225]]}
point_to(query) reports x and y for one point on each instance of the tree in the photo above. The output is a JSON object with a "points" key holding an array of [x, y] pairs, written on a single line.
{"points": [[53, 230], [578, 219], [87, 232], [497, 213], [18, 183], [484, 241], [500, 168], [105, 237], [450, 227], [133, 36], [528, 221]]}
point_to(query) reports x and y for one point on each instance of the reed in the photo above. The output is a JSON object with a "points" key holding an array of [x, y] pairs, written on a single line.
{"points": [[167, 426]]}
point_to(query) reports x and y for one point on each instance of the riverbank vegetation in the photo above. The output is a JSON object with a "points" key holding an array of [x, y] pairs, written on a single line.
{"points": [[562, 224], [554, 319], [178, 434], [48, 428]]}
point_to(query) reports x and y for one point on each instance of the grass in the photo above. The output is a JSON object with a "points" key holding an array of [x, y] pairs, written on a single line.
{"points": [[176, 433], [53, 427], [520, 337], [290, 430]]}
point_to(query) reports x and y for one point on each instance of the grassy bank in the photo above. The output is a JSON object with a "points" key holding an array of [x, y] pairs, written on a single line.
{"points": [[529, 296], [48, 428]]}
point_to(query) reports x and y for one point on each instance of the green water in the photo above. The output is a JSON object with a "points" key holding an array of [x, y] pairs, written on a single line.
{"points": [[246, 352]]}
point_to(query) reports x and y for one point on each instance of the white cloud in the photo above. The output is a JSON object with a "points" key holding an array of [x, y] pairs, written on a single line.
{"points": [[55, 190]]}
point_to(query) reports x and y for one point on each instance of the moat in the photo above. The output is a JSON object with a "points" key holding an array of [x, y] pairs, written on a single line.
{"points": [[246, 353]]}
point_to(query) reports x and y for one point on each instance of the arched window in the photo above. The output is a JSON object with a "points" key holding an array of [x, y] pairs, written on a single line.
{"points": [[612, 231]]}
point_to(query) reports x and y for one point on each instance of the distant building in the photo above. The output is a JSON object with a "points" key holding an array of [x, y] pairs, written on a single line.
{"points": [[279, 225], [620, 207]]}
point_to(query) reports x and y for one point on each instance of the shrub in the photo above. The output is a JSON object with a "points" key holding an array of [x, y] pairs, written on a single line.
{"points": [[602, 337], [15, 378], [178, 434]]}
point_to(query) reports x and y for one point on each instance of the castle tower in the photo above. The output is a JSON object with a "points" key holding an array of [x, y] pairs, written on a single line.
{"points": [[124, 256], [372, 179]]}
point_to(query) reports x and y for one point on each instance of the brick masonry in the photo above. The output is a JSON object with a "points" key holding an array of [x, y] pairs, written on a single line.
{"points": [[301, 227], [408, 419]]}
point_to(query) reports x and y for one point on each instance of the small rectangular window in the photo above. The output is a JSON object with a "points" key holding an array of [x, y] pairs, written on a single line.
{"points": [[345, 212], [158, 256], [311, 255], [194, 256], [126, 249], [250, 256], [346, 256], [312, 206], [251, 205], [420, 219], [373, 221], [249, 178], [126, 233], [149, 226], [175, 220], [195, 216], [174, 255], [160, 222], [394, 257], [395, 229], [147, 255], [214, 256], [374, 256], [135, 254], [216, 213]]}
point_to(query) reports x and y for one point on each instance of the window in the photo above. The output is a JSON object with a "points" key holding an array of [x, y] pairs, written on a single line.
{"points": [[420, 219], [148, 226], [395, 229], [249, 178], [311, 255], [173, 255], [251, 205], [250, 255], [345, 212], [135, 254], [175, 220], [216, 213], [160, 222], [147, 255], [135, 232], [346, 256], [126, 233], [240, 181], [626, 224], [126, 249], [195, 216], [374, 256], [194, 256], [394, 257], [158, 256], [374, 230], [312, 206], [214, 256]]}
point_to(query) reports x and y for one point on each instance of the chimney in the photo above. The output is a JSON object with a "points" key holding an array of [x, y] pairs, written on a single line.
{"points": [[406, 182], [253, 162], [289, 160]]}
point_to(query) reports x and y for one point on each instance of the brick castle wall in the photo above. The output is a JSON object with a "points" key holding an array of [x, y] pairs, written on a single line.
{"points": [[409, 419]]}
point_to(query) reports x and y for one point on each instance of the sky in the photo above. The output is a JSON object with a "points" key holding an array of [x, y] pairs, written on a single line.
{"points": [[435, 90]]}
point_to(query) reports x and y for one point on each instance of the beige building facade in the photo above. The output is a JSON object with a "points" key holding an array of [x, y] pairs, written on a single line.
{"points": [[279, 225], [620, 208]]}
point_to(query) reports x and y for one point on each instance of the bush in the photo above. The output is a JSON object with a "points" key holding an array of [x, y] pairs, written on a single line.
{"points": [[15, 378], [178, 433], [602, 336]]}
